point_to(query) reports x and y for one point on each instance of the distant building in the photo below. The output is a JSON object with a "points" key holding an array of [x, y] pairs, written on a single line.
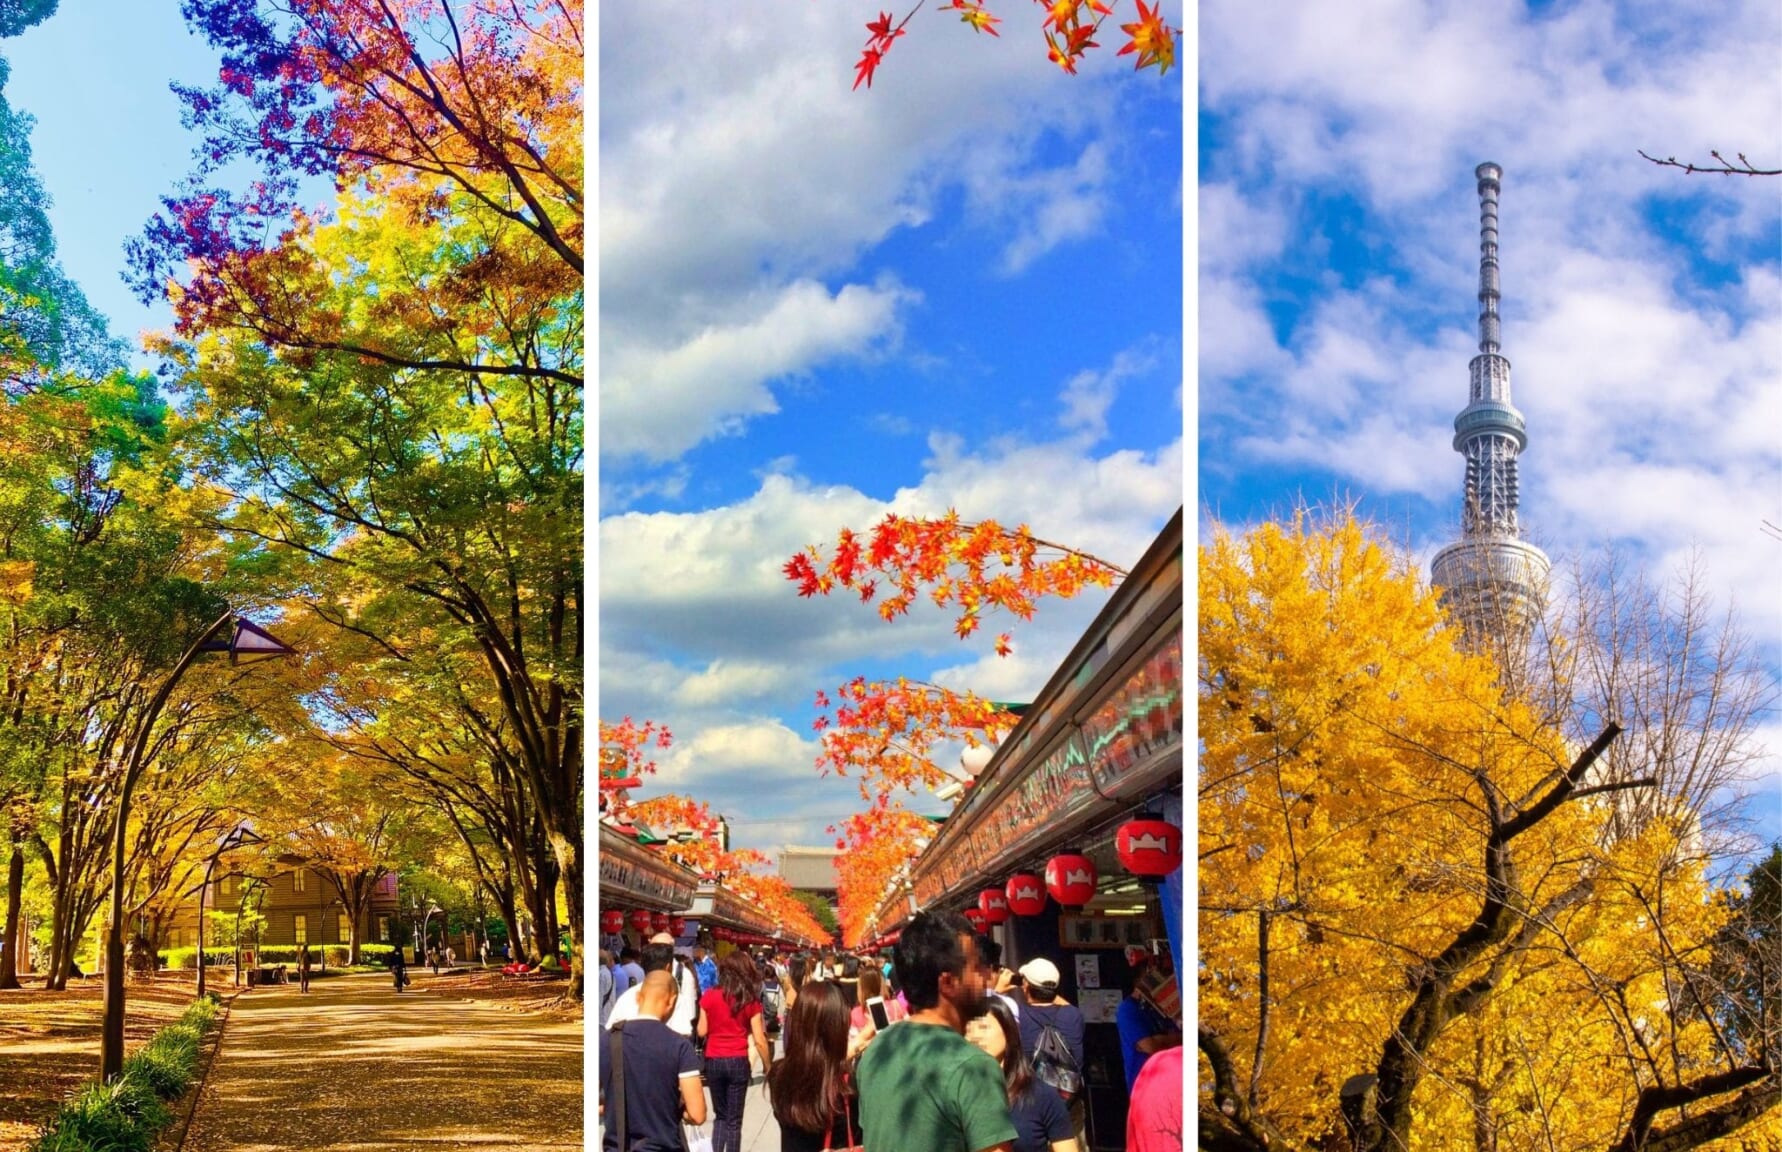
{"points": [[299, 906], [810, 870]]}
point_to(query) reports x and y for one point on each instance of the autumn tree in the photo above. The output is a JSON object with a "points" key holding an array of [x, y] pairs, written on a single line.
{"points": [[1421, 924], [887, 734], [393, 384]]}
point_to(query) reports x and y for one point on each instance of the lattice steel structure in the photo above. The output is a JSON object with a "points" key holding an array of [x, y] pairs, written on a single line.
{"points": [[1491, 578]]}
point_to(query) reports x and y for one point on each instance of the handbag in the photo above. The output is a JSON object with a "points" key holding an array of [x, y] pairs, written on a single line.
{"points": [[848, 1119], [695, 1138]]}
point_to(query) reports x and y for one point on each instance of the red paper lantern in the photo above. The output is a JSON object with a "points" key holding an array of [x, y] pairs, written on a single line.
{"points": [[1070, 878], [659, 922], [976, 916], [1026, 894], [677, 926], [1149, 847], [612, 921], [994, 905], [640, 919]]}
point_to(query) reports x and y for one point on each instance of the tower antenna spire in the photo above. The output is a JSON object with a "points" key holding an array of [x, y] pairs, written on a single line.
{"points": [[1491, 578]]}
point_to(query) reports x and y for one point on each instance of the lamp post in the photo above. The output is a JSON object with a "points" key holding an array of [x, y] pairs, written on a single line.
{"points": [[236, 839], [247, 640], [426, 944]]}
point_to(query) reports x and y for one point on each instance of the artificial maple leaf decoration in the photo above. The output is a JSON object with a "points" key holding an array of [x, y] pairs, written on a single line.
{"points": [[1151, 39]]}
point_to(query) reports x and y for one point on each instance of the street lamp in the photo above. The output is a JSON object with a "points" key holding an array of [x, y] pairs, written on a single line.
{"points": [[241, 836], [425, 943], [248, 642]]}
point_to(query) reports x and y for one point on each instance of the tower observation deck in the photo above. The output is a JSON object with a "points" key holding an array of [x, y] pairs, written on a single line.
{"points": [[1492, 580]]}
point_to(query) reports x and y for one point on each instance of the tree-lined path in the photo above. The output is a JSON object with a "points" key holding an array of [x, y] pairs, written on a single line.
{"points": [[353, 1065]]}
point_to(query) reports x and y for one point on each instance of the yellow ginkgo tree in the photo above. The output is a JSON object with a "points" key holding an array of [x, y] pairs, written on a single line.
{"points": [[1421, 926]]}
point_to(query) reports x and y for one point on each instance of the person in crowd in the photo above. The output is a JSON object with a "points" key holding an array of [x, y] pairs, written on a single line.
{"points": [[661, 1079], [729, 1018], [1002, 981], [705, 968], [398, 967], [848, 978], [303, 967], [923, 1086], [823, 967], [1154, 1121], [1040, 1116], [607, 984], [811, 1086], [658, 956], [1038, 990], [451, 958], [1143, 1030], [872, 984], [629, 972]]}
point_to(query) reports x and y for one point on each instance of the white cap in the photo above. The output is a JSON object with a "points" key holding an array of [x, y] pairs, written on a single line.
{"points": [[1040, 972]]}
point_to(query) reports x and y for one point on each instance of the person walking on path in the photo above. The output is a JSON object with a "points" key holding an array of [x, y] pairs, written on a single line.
{"points": [[398, 967], [303, 967], [729, 1017], [811, 1087], [642, 1110], [923, 1086], [1041, 1118], [1154, 1122]]}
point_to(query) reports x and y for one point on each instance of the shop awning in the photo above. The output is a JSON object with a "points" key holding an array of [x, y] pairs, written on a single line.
{"points": [[632, 876]]}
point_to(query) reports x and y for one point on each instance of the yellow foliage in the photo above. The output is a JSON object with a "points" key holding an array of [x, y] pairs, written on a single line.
{"points": [[1352, 759]]}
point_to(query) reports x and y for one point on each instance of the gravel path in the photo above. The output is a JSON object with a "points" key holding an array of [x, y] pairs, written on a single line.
{"points": [[355, 1067]]}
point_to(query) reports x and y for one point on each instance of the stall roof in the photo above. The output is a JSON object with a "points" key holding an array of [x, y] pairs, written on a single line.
{"points": [[1108, 727], [635, 876]]}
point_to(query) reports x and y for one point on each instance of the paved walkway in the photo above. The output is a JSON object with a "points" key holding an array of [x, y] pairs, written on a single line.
{"points": [[355, 1067]]}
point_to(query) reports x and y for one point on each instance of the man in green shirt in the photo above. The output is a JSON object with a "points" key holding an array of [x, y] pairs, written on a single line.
{"points": [[923, 1086]]}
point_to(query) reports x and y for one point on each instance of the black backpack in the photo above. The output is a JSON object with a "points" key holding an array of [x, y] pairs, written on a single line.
{"points": [[1052, 1062]]}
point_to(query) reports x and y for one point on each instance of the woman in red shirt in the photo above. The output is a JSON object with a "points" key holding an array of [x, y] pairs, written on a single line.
{"points": [[729, 1017]]}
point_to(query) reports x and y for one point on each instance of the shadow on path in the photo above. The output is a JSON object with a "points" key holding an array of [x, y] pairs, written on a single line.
{"points": [[356, 1066]]}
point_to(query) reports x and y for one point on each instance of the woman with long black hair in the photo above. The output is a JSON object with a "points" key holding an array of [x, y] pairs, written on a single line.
{"points": [[1041, 1117], [729, 1017], [811, 1086]]}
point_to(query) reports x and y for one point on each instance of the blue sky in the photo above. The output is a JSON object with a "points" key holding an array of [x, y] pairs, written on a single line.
{"points": [[108, 142], [1642, 307], [962, 288]]}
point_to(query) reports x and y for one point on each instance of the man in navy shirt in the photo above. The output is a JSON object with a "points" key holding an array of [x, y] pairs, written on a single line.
{"points": [[1039, 982], [661, 1075]]}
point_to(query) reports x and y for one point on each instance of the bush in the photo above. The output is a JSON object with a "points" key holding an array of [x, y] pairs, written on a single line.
{"points": [[187, 957], [126, 1114], [122, 1116]]}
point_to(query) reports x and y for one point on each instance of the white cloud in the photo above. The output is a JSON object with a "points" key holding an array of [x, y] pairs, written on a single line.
{"points": [[737, 182], [657, 402], [1089, 394]]}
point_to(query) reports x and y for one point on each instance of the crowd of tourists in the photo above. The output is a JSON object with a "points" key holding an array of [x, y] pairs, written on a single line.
{"points": [[934, 1048]]}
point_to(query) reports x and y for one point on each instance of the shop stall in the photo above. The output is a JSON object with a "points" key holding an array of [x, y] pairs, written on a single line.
{"points": [[641, 891], [1069, 845]]}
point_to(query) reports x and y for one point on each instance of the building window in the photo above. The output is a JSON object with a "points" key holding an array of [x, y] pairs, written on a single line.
{"points": [[300, 929], [297, 880], [226, 885], [173, 937], [345, 927], [383, 928]]}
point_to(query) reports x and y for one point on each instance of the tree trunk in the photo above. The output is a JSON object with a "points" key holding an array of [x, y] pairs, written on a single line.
{"points": [[569, 861], [15, 890]]}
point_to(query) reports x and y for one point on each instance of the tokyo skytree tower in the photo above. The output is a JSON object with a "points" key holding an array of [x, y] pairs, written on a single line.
{"points": [[1492, 580]]}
